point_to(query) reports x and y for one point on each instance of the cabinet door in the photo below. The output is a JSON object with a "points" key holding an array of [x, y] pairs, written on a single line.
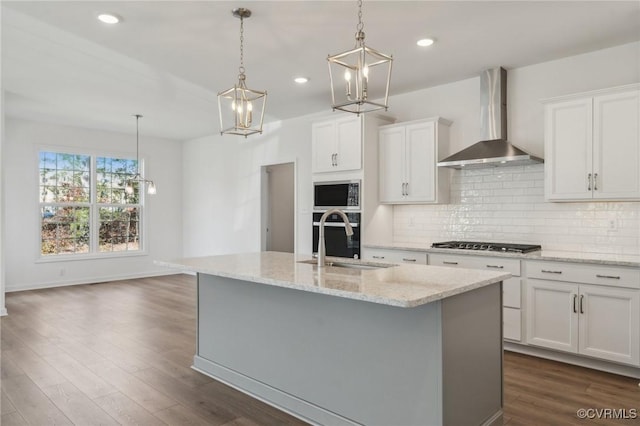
{"points": [[568, 150], [552, 321], [349, 144], [323, 146], [610, 323], [420, 162], [391, 162], [616, 146]]}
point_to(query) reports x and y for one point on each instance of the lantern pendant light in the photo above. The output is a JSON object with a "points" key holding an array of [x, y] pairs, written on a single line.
{"points": [[360, 76], [241, 109], [137, 179]]}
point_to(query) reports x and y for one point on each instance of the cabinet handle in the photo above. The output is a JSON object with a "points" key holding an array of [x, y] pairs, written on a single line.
{"points": [[575, 310], [550, 272], [336, 154], [404, 259], [403, 189], [407, 188], [495, 266], [581, 300], [595, 182], [613, 277], [378, 257], [449, 263], [589, 182]]}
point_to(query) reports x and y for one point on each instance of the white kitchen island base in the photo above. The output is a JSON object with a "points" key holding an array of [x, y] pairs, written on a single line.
{"points": [[333, 360]]}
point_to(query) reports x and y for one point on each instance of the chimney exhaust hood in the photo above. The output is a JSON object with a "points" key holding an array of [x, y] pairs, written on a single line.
{"points": [[494, 150]]}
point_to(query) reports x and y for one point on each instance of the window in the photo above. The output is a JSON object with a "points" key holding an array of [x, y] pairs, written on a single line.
{"points": [[85, 207]]}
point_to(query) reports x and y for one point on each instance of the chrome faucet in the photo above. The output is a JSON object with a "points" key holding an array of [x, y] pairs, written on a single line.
{"points": [[321, 243]]}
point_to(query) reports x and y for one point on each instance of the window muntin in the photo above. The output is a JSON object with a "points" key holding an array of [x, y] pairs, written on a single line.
{"points": [[84, 208]]}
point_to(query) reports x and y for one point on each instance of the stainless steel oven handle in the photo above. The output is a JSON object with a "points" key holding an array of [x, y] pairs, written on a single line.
{"points": [[335, 225]]}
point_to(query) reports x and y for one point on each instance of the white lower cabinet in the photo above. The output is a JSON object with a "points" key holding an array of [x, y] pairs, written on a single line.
{"points": [[511, 287], [601, 321], [394, 256]]}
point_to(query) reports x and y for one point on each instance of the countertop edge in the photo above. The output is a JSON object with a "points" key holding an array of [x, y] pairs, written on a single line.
{"points": [[557, 256]]}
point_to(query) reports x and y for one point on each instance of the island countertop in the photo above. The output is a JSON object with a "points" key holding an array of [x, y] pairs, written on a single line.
{"points": [[404, 286]]}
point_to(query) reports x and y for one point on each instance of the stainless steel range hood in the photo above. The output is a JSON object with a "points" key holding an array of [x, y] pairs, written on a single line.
{"points": [[494, 150]]}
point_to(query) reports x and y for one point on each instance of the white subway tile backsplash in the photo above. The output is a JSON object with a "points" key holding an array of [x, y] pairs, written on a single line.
{"points": [[506, 204]]}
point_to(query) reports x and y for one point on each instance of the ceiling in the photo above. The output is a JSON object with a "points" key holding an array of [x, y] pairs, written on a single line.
{"points": [[168, 59]]}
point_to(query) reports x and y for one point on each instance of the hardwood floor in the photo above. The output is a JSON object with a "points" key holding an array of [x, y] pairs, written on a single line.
{"points": [[120, 353]]}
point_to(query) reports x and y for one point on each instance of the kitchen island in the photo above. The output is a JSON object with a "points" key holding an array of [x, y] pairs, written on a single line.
{"points": [[397, 344]]}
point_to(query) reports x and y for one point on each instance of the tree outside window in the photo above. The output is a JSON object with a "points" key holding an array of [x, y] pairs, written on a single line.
{"points": [[84, 207]]}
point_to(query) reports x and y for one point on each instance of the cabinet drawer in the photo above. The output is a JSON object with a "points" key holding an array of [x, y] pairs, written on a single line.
{"points": [[511, 320], [396, 256], [476, 262], [584, 273]]}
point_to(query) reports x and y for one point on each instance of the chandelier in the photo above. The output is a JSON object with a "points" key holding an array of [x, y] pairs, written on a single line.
{"points": [[137, 179], [358, 76], [241, 109]]}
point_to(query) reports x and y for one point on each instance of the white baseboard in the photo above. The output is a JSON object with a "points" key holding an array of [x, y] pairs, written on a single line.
{"points": [[609, 367], [92, 280]]}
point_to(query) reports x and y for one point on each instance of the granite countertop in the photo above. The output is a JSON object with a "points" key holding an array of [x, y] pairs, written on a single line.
{"points": [[550, 255], [404, 286]]}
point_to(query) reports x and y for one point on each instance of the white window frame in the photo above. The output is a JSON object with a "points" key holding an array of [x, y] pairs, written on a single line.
{"points": [[94, 209]]}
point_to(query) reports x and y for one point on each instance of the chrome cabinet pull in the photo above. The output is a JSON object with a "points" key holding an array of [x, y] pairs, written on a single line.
{"points": [[449, 263], [378, 257], [589, 182], [336, 154], [550, 272], [613, 277], [581, 300], [595, 182], [407, 188], [575, 310], [403, 189], [404, 259], [495, 266]]}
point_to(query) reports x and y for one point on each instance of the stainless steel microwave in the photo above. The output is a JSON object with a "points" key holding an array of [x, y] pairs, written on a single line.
{"points": [[344, 195]]}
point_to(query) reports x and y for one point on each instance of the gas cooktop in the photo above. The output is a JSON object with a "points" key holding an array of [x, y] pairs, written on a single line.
{"points": [[499, 247]]}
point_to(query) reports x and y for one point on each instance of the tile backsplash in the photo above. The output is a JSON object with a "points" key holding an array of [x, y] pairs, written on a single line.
{"points": [[506, 204]]}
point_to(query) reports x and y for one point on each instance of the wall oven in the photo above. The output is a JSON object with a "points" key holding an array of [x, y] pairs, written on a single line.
{"points": [[337, 242], [343, 195]]}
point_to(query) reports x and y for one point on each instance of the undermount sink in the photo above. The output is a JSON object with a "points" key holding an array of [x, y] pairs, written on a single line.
{"points": [[351, 265]]}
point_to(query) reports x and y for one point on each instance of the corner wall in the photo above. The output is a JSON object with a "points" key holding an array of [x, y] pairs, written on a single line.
{"points": [[21, 242]]}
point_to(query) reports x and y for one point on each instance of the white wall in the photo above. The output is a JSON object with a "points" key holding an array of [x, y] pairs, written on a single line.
{"points": [[222, 187], [222, 174], [163, 163]]}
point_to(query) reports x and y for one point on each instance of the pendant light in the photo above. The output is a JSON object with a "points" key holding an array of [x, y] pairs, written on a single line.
{"points": [[360, 75], [241, 109], [137, 179]]}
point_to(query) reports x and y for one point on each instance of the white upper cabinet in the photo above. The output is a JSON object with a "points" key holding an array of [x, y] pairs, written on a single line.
{"points": [[408, 153], [592, 146], [337, 145]]}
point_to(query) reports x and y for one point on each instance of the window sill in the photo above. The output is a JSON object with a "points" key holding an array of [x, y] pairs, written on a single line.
{"points": [[90, 256]]}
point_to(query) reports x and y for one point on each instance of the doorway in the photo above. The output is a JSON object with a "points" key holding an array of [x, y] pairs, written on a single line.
{"points": [[278, 212]]}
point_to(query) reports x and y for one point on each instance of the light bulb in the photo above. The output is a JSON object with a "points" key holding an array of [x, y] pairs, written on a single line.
{"points": [[249, 106], [365, 71], [347, 75], [233, 105], [151, 189]]}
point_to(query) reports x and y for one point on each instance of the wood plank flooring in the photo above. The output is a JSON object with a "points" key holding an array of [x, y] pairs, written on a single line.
{"points": [[120, 353]]}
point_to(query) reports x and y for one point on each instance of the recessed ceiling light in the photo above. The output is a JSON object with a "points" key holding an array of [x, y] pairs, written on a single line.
{"points": [[425, 42], [301, 80], [108, 18]]}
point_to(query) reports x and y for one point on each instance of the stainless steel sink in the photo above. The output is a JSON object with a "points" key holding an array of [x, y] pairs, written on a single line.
{"points": [[350, 265]]}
